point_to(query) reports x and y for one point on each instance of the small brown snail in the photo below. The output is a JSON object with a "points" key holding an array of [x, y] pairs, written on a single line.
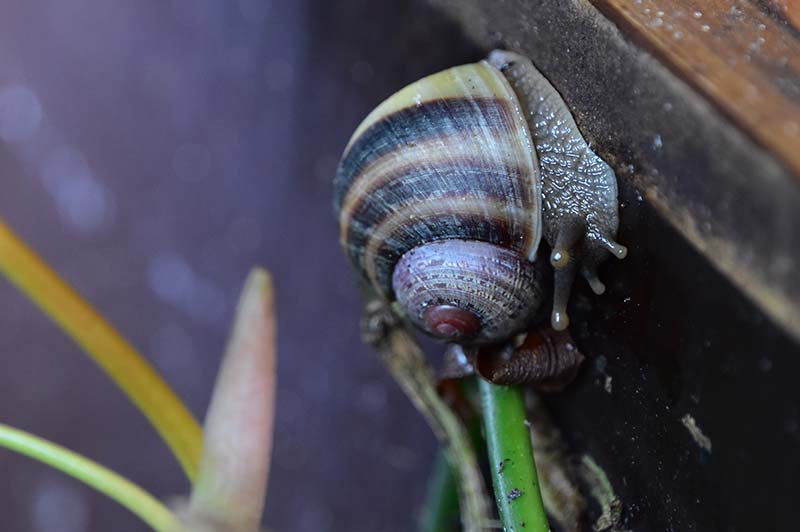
{"points": [[445, 189]]}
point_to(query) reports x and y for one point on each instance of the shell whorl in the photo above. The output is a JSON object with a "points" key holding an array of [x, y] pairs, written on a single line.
{"points": [[547, 358], [467, 291], [448, 157]]}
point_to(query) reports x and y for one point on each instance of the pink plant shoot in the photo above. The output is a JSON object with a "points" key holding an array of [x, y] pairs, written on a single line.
{"points": [[231, 485]]}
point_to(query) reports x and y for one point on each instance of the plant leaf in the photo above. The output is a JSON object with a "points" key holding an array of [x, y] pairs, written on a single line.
{"points": [[231, 485]]}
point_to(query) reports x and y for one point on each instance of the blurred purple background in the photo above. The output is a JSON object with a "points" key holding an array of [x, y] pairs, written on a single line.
{"points": [[153, 152]]}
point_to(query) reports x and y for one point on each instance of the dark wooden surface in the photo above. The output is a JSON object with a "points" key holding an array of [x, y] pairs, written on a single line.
{"points": [[702, 318], [737, 203], [787, 11], [740, 58], [272, 103]]}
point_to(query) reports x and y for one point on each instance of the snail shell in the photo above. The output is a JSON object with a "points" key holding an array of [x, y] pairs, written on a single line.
{"points": [[447, 158], [442, 205], [467, 289], [544, 357], [547, 358]]}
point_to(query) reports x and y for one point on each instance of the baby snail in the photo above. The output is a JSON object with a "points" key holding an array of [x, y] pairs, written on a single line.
{"points": [[445, 189]]}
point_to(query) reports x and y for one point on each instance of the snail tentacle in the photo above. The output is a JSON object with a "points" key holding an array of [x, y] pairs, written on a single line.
{"points": [[616, 249], [569, 234], [562, 287], [597, 286]]}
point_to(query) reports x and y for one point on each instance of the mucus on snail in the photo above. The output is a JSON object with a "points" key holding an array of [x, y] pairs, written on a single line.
{"points": [[445, 190]]}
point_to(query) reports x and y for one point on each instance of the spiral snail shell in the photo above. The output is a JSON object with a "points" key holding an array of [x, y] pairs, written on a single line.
{"points": [[442, 200]]}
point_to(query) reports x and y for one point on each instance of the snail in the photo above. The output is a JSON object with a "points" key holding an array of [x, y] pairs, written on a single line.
{"points": [[445, 190]]}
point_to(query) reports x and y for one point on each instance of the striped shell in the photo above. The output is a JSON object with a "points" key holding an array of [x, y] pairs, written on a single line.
{"points": [[453, 158], [448, 157]]}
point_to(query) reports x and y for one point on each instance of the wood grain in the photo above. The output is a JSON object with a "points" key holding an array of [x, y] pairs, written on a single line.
{"points": [[786, 10], [745, 61]]}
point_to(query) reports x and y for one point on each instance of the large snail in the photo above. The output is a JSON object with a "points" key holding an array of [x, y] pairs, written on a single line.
{"points": [[445, 189]]}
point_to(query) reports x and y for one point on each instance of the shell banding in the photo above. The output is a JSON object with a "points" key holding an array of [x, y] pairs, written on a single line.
{"points": [[447, 158]]}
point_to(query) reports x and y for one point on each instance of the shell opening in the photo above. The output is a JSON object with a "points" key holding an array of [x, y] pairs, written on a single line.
{"points": [[448, 321]]}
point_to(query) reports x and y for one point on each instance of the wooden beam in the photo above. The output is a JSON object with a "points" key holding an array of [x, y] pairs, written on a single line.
{"points": [[744, 60], [722, 168]]}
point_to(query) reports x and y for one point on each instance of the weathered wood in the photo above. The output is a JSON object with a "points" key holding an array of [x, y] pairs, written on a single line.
{"points": [[746, 62], [737, 203], [788, 11], [688, 400]]}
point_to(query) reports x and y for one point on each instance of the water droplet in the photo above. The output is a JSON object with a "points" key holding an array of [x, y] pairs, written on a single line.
{"points": [[705, 27], [657, 142], [697, 14], [170, 276], [173, 279], [59, 506], [20, 113], [82, 200]]}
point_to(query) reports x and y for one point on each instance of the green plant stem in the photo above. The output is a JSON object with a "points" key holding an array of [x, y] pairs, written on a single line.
{"points": [[118, 358], [407, 365], [406, 362], [117, 487], [516, 486], [440, 509]]}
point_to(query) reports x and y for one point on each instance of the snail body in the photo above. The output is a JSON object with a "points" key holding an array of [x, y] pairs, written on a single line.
{"points": [[442, 200], [580, 215]]}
